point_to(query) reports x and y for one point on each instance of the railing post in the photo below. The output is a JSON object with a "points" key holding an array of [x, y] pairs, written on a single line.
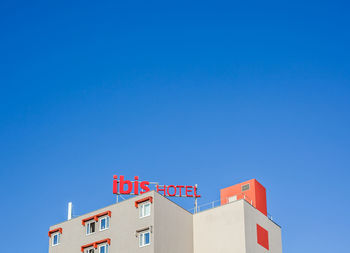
{"points": [[195, 200]]}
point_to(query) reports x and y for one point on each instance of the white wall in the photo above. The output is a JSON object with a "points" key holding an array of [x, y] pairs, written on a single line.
{"points": [[253, 217], [173, 227], [231, 228], [220, 230]]}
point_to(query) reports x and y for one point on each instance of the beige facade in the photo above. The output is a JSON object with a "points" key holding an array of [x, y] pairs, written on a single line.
{"points": [[224, 229], [232, 228], [220, 229]]}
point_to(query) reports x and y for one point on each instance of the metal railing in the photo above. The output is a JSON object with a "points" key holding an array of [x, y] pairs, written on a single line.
{"points": [[219, 202], [206, 206]]}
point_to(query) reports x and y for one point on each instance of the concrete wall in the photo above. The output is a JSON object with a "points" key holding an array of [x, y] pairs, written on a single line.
{"points": [[123, 225], [220, 230], [173, 227], [252, 217]]}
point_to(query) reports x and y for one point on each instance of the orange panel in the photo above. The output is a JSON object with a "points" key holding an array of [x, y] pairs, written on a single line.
{"points": [[94, 244], [137, 202], [252, 191], [95, 217], [260, 198], [54, 231]]}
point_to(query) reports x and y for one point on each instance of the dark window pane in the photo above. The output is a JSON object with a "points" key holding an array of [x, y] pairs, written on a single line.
{"points": [[245, 187]]}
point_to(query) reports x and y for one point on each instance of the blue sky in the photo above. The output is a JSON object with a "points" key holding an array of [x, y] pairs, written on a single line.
{"points": [[207, 92]]}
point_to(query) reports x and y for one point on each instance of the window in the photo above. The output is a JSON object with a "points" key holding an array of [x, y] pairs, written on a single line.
{"points": [[144, 238], [104, 223], [104, 249], [90, 228], [89, 251], [56, 239], [232, 199], [245, 187], [145, 209]]}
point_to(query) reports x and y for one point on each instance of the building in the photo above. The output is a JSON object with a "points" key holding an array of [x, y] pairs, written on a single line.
{"points": [[151, 223]]}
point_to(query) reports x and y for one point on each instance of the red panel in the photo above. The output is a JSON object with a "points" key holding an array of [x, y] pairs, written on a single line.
{"points": [[103, 241], [95, 217], [87, 219], [137, 202], [260, 198], [86, 246], [109, 213], [263, 236], [255, 195], [54, 231], [94, 244]]}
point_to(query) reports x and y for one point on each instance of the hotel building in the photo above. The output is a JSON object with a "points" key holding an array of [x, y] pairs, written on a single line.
{"points": [[152, 223]]}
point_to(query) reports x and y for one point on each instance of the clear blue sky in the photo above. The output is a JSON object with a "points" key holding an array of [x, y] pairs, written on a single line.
{"points": [[183, 92]]}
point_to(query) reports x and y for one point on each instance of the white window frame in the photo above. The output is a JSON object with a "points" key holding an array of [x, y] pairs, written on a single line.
{"points": [[88, 226], [103, 245], [58, 234], [107, 218], [88, 250], [142, 238], [142, 209]]}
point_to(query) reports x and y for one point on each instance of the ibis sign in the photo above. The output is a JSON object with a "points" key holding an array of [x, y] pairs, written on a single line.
{"points": [[121, 186]]}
